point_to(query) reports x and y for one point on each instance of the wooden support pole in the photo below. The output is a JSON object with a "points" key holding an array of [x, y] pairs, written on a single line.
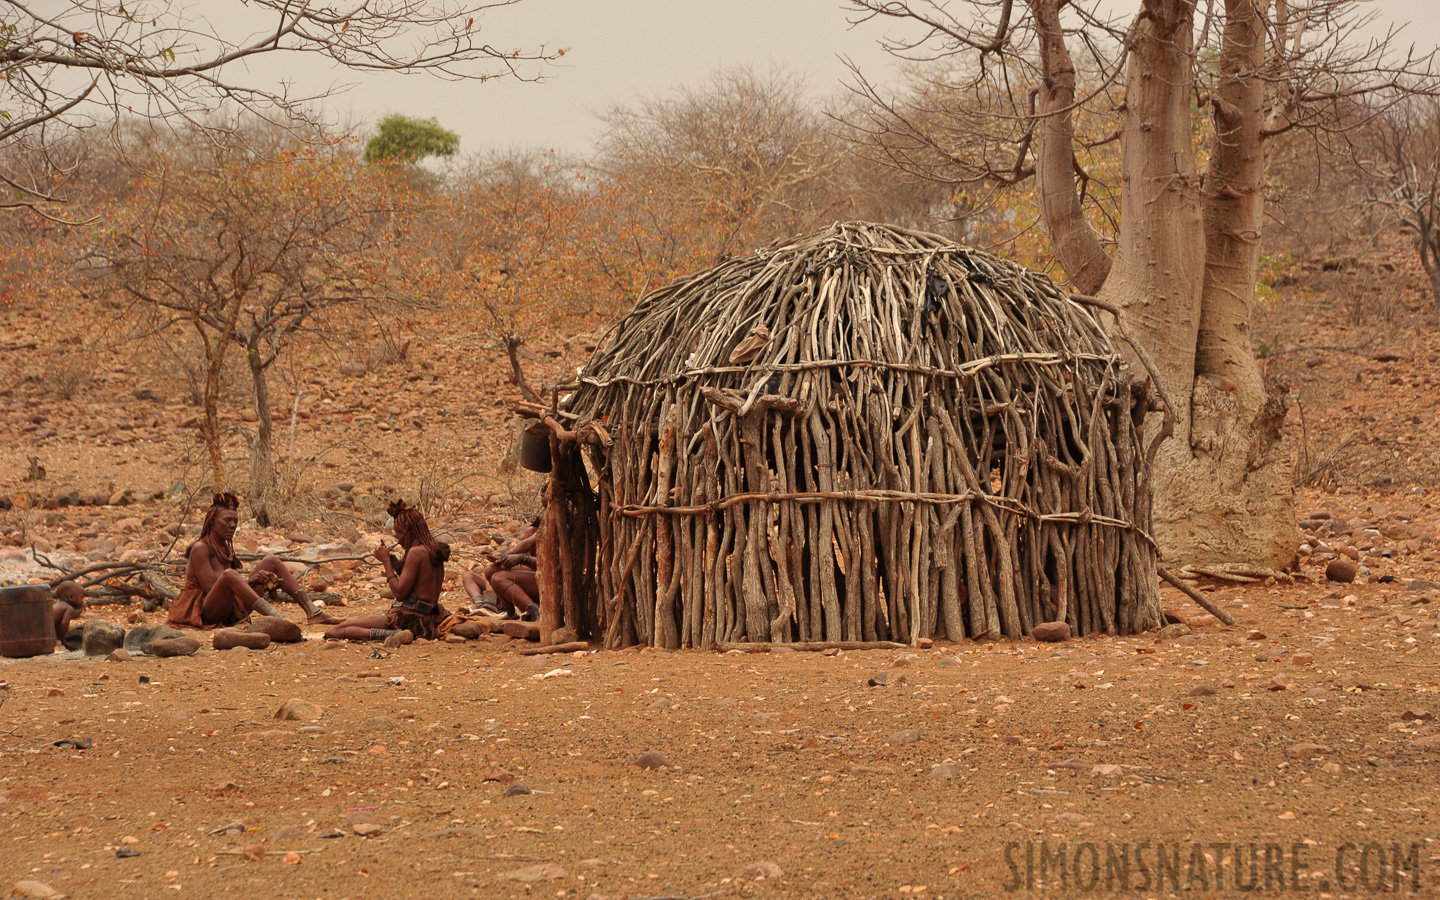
{"points": [[1205, 602]]}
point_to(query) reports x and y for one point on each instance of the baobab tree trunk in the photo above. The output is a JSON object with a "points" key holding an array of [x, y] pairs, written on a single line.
{"points": [[1185, 275], [262, 466]]}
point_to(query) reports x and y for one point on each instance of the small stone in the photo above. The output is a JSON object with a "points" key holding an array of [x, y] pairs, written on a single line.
{"points": [[1331, 768], [118, 656], [101, 638], [652, 759], [1255, 636], [498, 773], [1377, 761], [287, 833], [1108, 770], [1203, 690], [1341, 570], [400, 638], [36, 890], [281, 631], [1301, 659], [1051, 632], [904, 736], [946, 662], [230, 638], [1428, 742], [925, 643], [887, 678], [945, 771], [292, 859], [454, 639], [1174, 631], [380, 723], [662, 703], [177, 646], [367, 829], [763, 869], [311, 729], [1305, 750], [517, 789], [536, 874], [252, 853], [1278, 683], [296, 709], [1416, 714]]}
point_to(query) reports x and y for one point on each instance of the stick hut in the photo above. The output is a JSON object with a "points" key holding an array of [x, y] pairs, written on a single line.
{"points": [[865, 434]]}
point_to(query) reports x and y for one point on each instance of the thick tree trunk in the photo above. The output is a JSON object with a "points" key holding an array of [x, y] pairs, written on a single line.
{"points": [[262, 464], [1234, 501], [1185, 275], [1077, 247]]}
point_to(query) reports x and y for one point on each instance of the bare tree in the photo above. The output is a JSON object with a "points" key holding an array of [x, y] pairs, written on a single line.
{"points": [[748, 147], [249, 255], [1186, 253], [1398, 156], [76, 63]]}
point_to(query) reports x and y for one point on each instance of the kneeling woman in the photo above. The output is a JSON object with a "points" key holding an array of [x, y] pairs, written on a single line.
{"points": [[215, 594], [416, 586]]}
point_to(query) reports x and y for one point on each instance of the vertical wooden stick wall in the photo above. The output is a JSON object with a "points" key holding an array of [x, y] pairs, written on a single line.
{"points": [[867, 434]]}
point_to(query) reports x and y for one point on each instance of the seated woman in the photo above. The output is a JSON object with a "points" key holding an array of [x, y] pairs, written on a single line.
{"points": [[215, 594], [511, 580], [415, 582]]}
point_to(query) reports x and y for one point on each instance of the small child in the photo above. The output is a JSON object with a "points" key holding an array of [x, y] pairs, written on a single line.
{"points": [[70, 602]]}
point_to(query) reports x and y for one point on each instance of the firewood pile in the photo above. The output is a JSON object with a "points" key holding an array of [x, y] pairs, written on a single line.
{"points": [[865, 434]]}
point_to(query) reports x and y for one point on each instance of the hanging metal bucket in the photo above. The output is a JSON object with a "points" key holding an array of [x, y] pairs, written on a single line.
{"points": [[535, 448]]}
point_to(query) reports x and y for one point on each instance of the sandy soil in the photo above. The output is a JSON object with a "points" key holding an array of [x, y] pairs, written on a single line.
{"points": [[786, 774]]}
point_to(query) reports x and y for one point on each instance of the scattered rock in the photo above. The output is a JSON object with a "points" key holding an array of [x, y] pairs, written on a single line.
{"points": [[946, 662], [925, 643], [287, 833], [1417, 714], [564, 636], [904, 736], [1341, 570], [295, 709], [367, 829], [1301, 659], [1174, 631], [1278, 683], [1305, 750], [1203, 690], [945, 771], [652, 759], [230, 638], [536, 874], [281, 631], [887, 678], [1051, 632], [75, 637], [141, 637], [498, 773], [517, 789], [101, 638], [763, 869], [380, 723], [176, 646], [662, 703], [252, 853], [1255, 636], [119, 655], [38, 890], [1108, 769]]}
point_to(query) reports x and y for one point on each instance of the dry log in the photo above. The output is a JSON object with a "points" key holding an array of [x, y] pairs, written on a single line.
{"points": [[1205, 602], [567, 647]]}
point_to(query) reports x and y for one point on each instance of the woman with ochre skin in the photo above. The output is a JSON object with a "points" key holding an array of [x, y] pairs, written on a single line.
{"points": [[215, 593], [415, 580]]}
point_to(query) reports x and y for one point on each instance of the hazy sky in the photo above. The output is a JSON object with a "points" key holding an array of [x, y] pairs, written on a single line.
{"points": [[618, 49]]}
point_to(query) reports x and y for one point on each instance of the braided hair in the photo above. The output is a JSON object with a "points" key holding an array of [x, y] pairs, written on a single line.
{"points": [[411, 530], [222, 549]]}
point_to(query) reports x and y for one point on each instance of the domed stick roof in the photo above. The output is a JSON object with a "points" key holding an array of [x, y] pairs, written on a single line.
{"points": [[866, 433]]}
